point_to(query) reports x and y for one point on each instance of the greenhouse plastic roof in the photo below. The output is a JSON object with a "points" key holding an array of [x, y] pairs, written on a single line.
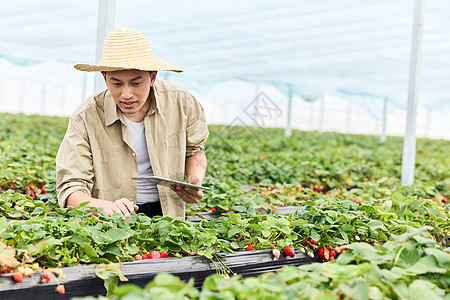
{"points": [[352, 48]]}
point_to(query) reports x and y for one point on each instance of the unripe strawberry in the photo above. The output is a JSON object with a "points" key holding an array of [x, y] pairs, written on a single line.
{"points": [[28, 272], [276, 253], [138, 257]]}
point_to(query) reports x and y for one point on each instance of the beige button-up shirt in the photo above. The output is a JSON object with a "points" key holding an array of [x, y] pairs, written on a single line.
{"points": [[97, 157]]}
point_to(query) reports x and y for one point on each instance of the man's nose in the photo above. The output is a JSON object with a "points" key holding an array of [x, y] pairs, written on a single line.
{"points": [[127, 92]]}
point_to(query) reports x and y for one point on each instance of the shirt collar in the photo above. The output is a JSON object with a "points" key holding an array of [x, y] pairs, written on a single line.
{"points": [[113, 113]]}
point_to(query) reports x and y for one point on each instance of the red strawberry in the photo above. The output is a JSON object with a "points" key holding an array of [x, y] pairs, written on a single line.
{"points": [[276, 253], [249, 247], [145, 256], [60, 289], [313, 242], [138, 257], [272, 188], [164, 255], [307, 242], [18, 277], [332, 253], [213, 209], [46, 276], [154, 254], [321, 252], [445, 200], [44, 191], [289, 252], [32, 194], [13, 187], [331, 258], [329, 248], [357, 201], [8, 270], [42, 186]]}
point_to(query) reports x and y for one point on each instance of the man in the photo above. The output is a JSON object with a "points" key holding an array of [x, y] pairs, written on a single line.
{"points": [[138, 126]]}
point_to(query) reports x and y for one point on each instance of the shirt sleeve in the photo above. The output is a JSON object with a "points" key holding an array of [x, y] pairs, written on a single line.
{"points": [[196, 128], [74, 165]]}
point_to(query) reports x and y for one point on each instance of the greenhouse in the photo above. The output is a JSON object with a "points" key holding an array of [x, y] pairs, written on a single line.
{"points": [[314, 138]]}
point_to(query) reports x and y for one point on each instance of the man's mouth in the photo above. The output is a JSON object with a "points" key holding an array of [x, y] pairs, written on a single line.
{"points": [[128, 104]]}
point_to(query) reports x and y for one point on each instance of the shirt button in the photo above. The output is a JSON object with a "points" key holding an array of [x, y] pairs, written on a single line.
{"points": [[134, 154]]}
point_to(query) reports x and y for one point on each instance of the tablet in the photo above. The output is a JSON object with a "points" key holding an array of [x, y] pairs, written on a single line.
{"points": [[169, 182]]}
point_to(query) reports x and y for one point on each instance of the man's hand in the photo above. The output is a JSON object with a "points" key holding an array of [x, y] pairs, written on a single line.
{"points": [[122, 206], [189, 195]]}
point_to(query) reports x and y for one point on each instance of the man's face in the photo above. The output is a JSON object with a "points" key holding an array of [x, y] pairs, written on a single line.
{"points": [[130, 90]]}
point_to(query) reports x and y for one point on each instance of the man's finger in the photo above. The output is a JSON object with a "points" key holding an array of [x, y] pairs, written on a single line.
{"points": [[128, 204], [122, 208]]}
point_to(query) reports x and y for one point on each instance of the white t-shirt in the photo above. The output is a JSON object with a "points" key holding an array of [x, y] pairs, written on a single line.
{"points": [[146, 191]]}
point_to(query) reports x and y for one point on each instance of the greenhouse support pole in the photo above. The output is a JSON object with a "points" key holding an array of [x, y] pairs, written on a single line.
{"points": [[1, 85], [105, 23], [311, 115], [409, 142], [427, 125], [322, 108], [383, 130], [348, 120], [288, 130], [44, 97], [84, 88]]}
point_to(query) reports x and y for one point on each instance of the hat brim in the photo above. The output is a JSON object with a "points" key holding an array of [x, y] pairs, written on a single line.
{"points": [[161, 66]]}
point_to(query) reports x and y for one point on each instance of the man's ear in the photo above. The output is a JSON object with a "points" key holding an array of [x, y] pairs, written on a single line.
{"points": [[153, 77]]}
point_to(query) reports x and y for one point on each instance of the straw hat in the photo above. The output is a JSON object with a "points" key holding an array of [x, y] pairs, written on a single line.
{"points": [[127, 49]]}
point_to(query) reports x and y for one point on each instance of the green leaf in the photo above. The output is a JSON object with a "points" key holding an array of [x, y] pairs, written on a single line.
{"points": [[116, 234], [113, 249], [441, 257], [408, 255], [425, 265], [38, 211], [3, 223], [89, 250], [315, 235], [233, 231], [423, 240], [132, 249], [422, 289], [79, 238], [355, 289]]}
